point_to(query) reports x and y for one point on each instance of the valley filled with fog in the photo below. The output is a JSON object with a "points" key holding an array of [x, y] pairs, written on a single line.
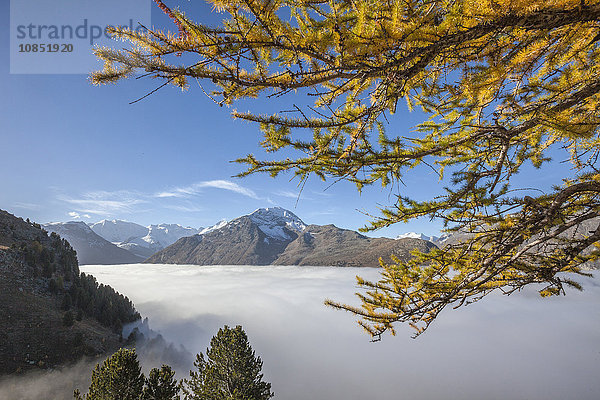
{"points": [[517, 347]]}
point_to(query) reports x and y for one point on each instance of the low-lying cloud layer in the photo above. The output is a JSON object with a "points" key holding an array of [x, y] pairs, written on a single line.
{"points": [[517, 347]]}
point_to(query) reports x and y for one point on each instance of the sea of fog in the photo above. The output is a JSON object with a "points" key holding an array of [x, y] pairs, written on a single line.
{"points": [[504, 347]]}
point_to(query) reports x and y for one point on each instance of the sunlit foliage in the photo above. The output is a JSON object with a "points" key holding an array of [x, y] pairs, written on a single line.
{"points": [[502, 82]]}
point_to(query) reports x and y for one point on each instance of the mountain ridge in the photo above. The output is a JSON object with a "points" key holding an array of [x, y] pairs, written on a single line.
{"points": [[277, 236], [271, 235], [142, 241], [90, 247]]}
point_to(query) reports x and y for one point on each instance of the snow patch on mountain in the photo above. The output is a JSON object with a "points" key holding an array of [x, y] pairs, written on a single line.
{"points": [[163, 235], [216, 226], [445, 237]]}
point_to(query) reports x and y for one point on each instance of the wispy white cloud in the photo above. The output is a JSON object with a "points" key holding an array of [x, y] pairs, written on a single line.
{"points": [[198, 187], [185, 208], [76, 215], [292, 195], [109, 204], [105, 203], [27, 206], [322, 193], [324, 212], [286, 193]]}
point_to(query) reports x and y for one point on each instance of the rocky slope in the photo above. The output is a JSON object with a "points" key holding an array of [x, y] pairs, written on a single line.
{"points": [[240, 242], [330, 245], [49, 313], [91, 248], [277, 236]]}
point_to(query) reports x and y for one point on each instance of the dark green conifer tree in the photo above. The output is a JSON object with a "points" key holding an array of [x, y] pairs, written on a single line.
{"points": [[68, 319], [230, 371], [161, 385], [118, 378]]}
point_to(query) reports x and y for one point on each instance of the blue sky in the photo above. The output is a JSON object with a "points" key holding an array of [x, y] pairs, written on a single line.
{"points": [[69, 150]]}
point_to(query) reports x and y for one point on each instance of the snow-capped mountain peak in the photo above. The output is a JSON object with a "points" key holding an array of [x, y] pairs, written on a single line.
{"points": [[272, 220], [138, 239], [117, 231], [415, 235]]}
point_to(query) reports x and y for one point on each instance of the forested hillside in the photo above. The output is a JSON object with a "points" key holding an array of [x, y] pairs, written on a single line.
{"points": [[51, 313]]}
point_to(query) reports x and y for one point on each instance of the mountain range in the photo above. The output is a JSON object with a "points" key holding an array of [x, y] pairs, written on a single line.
{"points": [[90, 247], [266, 236], [277, 236], [117, 241], [140, 240]]}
